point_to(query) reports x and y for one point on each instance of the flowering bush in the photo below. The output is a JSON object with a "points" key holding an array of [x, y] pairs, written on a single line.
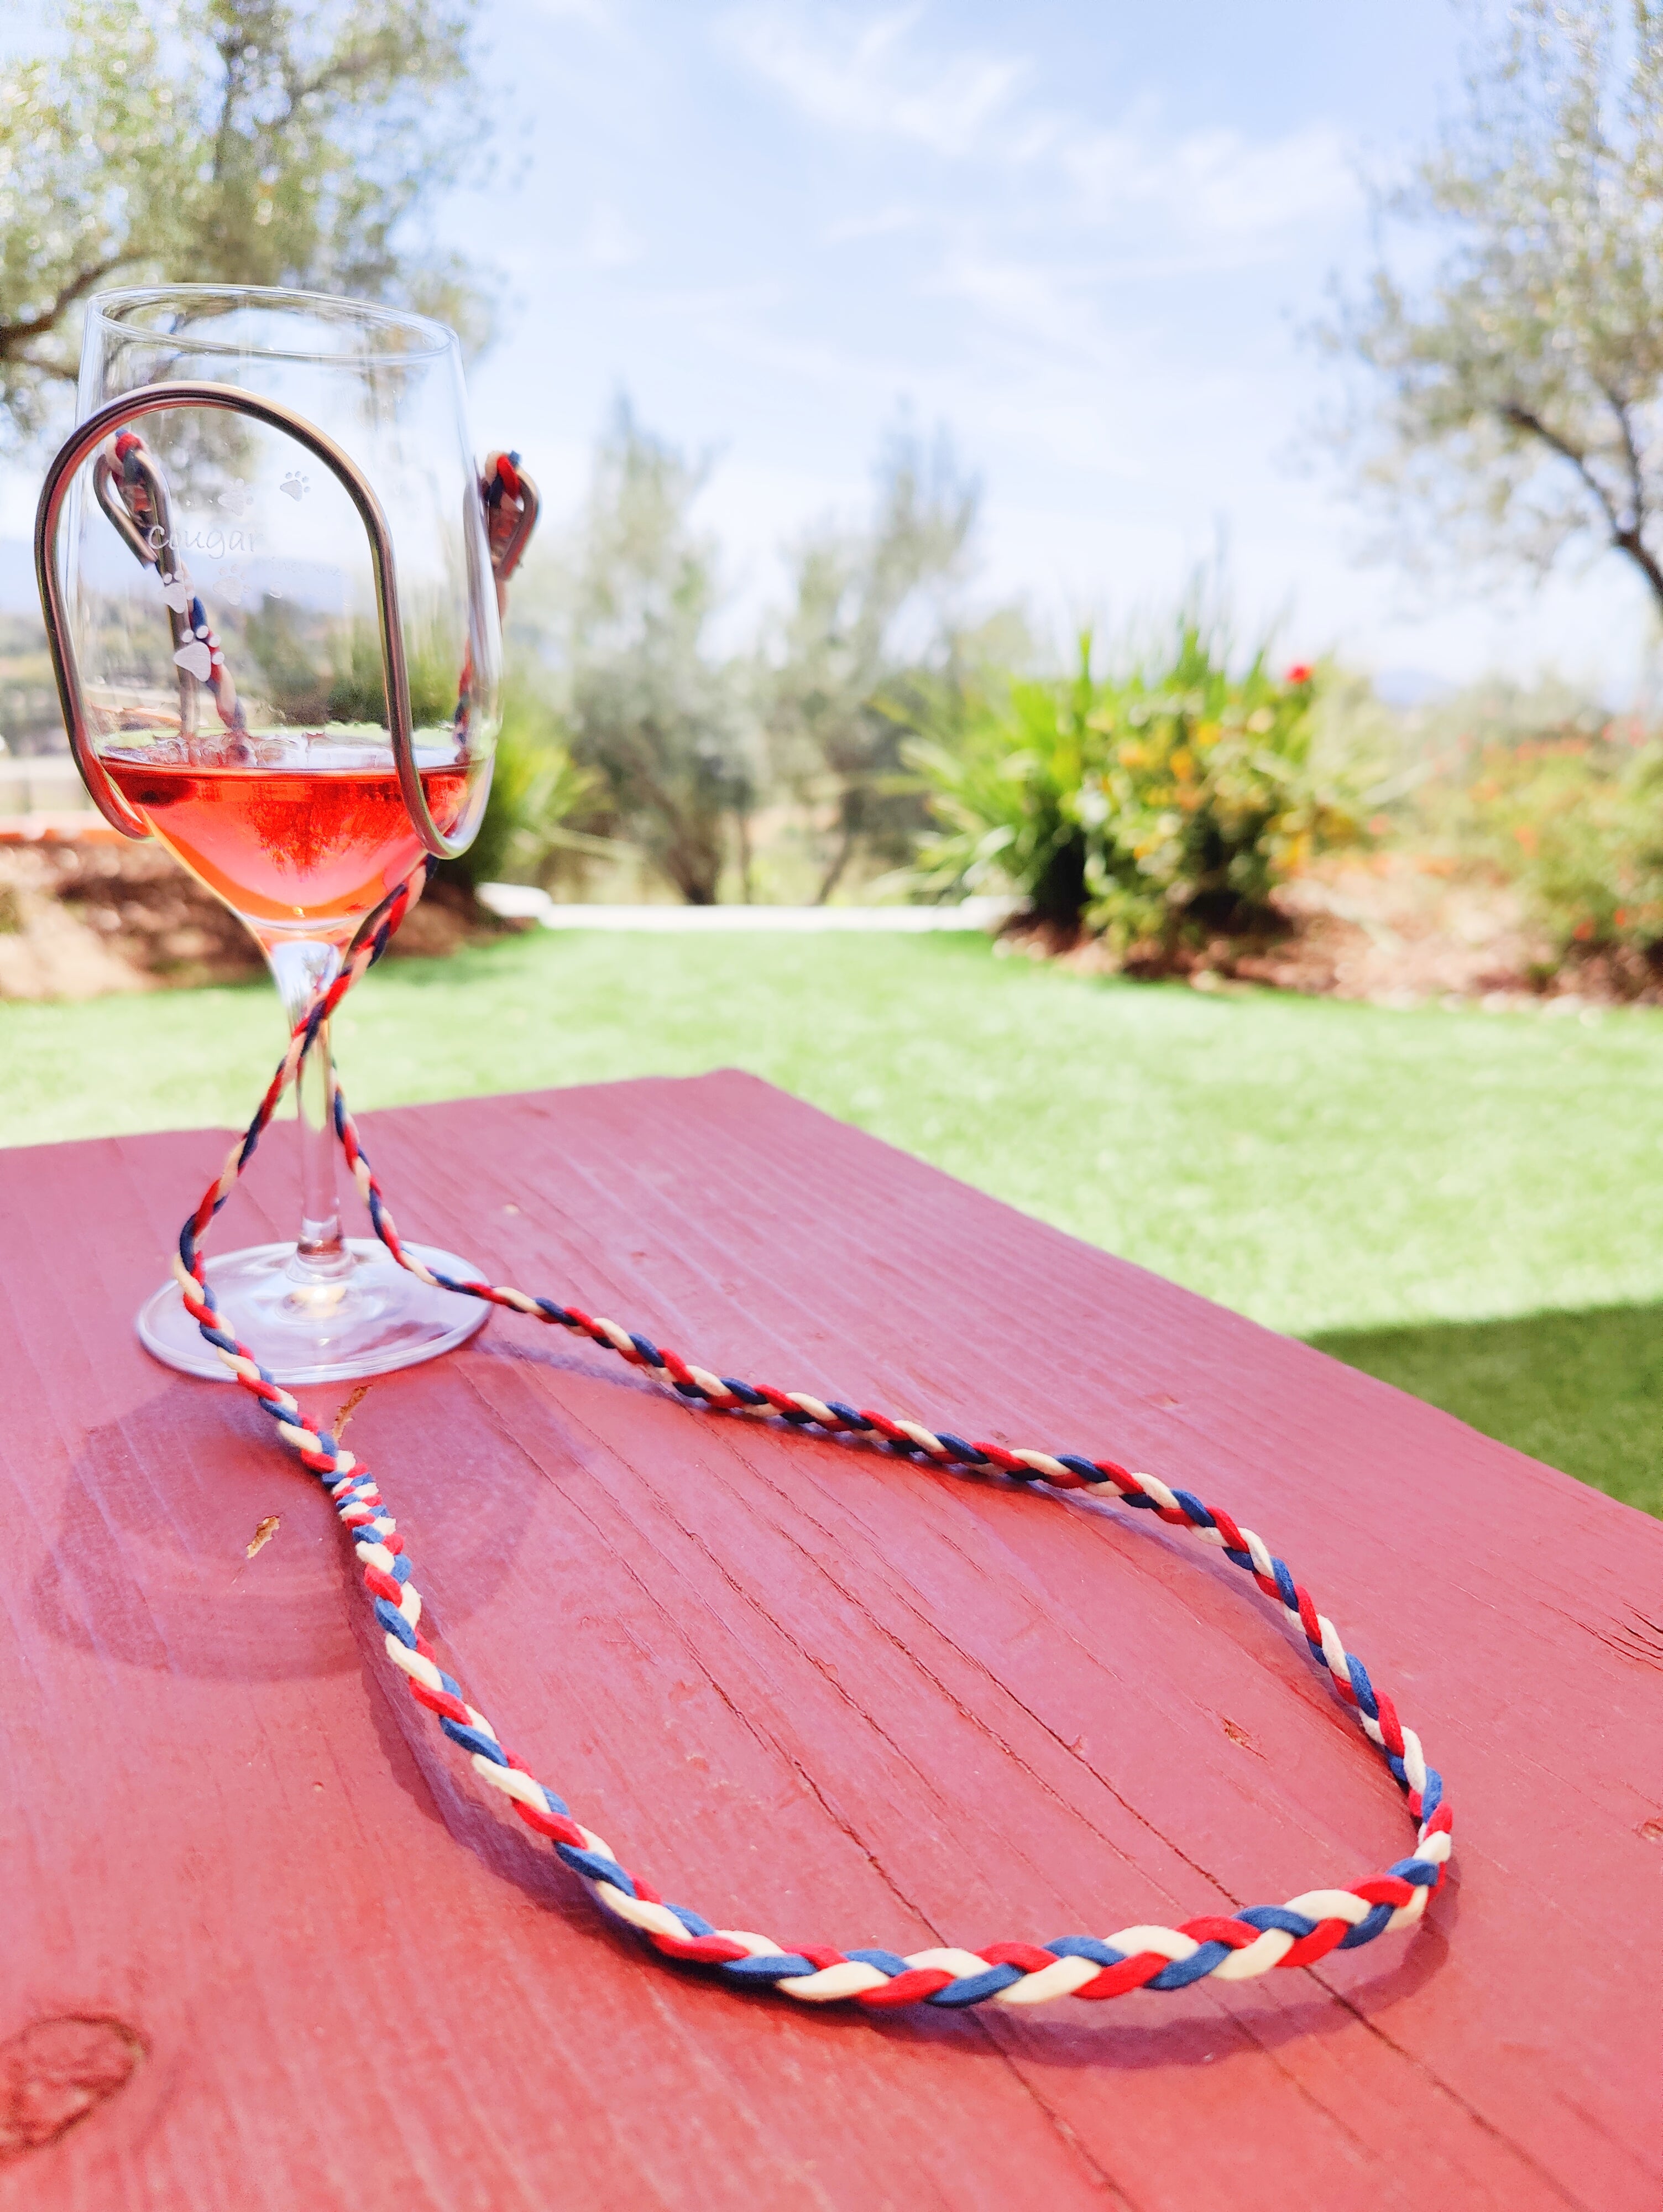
{"points": [[1578, 822], [1210, 793], [1167, 801]]}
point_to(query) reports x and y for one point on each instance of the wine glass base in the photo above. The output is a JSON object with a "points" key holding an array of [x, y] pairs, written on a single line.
{"points": [[372, 1318]]}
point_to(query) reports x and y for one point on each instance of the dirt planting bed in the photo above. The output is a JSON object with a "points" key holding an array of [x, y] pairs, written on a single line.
{"points": [[1393, 929], [79, 918]]}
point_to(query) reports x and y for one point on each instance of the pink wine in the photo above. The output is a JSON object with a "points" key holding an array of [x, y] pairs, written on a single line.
{"points": [[286, 850]]}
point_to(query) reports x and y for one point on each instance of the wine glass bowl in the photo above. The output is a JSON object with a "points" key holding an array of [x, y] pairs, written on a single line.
{"points": [[300, 842], [277, 640]]}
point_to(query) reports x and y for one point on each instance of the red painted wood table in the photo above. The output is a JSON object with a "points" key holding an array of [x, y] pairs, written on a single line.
{"points": [[261, 1926]]}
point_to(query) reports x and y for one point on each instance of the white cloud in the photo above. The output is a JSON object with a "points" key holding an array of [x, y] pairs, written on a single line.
{"points": [[866, 76], [610, 239], [1210, 184], [1036, 300], [19, 492], [874, 76]]}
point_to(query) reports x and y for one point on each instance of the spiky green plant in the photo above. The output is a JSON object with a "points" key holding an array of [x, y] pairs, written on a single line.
{"points": [[1168, 797]]}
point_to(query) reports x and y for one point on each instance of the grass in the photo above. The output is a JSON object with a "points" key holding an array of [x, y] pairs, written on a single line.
{"points": [[1366, 1177], [1583, 1391]]}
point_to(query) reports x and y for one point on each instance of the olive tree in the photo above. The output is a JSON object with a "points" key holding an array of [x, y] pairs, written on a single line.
{"points": [[1510, 404], [868, 607], [251, 141], [654, 710]]}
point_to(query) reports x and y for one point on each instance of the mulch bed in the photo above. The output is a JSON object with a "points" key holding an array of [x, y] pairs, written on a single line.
{"points": [[1392, 929], [81, 918]]}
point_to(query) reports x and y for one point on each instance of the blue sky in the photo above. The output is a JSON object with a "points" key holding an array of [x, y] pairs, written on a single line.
{"points": [[1081, 236]]}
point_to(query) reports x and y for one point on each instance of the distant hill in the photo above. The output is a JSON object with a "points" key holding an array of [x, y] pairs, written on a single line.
{"points": [[1412, 687]]}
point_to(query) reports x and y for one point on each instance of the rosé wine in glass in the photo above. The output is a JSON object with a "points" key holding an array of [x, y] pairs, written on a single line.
{"points": [[297, 850]]}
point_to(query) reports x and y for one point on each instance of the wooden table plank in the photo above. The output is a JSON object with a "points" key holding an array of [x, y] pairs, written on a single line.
{"points": [[805, 1688]]}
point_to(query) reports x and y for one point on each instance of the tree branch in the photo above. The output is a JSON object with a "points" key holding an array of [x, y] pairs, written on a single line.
{"points": [[14, 336], [231, 53], [1522, 418], [1636, 481], [346, 69], [1631, 542], [852, 813], [1624, 537]]}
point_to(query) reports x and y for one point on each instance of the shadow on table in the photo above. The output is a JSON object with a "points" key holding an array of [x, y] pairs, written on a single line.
{"points": [[1583, 1391], [204, 1559]]}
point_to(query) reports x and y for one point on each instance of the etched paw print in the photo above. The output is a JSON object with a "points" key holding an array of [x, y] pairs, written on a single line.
{"points": [[295, 484], [202, 655], [176, 592], [233, 585], [237, 499]]}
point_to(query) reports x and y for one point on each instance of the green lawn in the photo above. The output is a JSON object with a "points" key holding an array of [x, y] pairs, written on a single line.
{"points": [[1583, 1391], [1362, 1177]]}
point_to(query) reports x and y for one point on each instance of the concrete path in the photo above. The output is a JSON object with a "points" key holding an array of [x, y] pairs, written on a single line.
{"points": [[523, 902]]}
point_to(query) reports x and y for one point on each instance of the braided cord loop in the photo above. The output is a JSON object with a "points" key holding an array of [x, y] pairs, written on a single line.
{"points": [[1221, 1948]]}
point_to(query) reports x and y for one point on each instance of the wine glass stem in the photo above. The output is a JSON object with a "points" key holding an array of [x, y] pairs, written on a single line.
{"points": [[302, 969]]}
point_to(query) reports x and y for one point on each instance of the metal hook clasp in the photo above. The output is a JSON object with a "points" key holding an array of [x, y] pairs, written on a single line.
{"points": [[132, 491], [512, 506], [110, 471]]}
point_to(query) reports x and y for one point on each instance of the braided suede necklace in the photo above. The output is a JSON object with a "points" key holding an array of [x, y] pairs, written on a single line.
{"points": [[1226, 1948]]}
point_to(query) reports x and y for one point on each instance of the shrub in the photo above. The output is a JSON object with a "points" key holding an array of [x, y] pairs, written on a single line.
{"points": [[1006, 766], [1155, 804], [1212, 796], [538, 798], [1578, 823]]}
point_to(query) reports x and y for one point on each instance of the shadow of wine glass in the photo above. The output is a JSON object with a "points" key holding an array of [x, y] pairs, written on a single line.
{"points": [[212, 1558]]}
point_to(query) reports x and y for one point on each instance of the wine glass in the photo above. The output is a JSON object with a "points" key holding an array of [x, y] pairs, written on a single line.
{"points": [[277, 557]]}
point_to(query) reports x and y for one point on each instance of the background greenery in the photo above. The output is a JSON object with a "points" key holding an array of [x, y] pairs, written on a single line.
{"points": [[1409, 1189]]}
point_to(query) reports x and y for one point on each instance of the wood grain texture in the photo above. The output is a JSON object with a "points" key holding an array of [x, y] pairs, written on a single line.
{"points": [[805, 1688]]}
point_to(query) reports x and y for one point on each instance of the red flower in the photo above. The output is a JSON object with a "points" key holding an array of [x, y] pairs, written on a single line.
{"points": [[1300, 673]]}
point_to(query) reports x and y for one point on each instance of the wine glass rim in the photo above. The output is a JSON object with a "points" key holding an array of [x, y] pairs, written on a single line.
{"points": [[428, 339]]}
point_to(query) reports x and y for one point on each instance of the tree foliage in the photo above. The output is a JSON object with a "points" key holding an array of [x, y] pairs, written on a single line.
{"points": [[1515, 401], [684, 739], [539, 796], [246, 142], [869, 608], [652, 707]]}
